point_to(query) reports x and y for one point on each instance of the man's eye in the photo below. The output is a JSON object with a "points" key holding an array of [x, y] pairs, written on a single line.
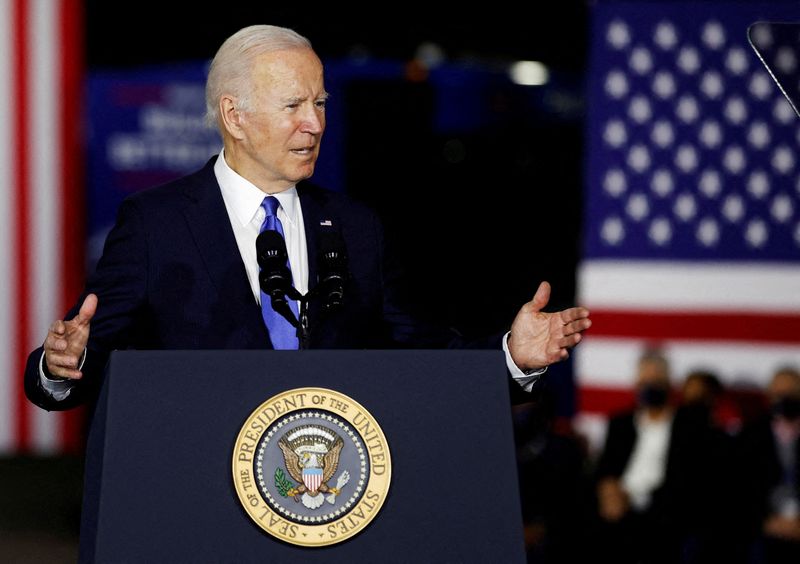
{"points": [[320, 104], [293, 105]]}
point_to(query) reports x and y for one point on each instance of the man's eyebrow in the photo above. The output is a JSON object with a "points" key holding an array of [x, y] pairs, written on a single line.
{"points": [[300, 99]]}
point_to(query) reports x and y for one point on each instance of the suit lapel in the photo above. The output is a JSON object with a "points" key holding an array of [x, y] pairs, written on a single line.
{"points": [[312, 215], [314, 211], [210, 225]]}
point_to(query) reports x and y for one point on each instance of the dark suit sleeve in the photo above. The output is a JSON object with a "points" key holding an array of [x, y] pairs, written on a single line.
{"points": [[80, 393], [120, 282], [757, 471], [618, 447]]}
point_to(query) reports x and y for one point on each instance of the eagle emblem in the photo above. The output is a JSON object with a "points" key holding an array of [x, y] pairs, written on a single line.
{"points": [[311, 455]]}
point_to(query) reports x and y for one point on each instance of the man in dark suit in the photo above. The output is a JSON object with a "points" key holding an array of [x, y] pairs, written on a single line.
{"points": [[179, 268], [632, 469], [768, 474]]}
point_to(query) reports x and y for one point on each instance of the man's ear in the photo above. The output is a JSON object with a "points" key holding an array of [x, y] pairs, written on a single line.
{"points": [[232, 118]]}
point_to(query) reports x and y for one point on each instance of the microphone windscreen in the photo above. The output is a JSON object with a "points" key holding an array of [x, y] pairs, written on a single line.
{"points": [[270, 246]]}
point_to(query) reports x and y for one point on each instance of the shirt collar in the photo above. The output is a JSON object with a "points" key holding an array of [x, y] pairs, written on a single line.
{"points": [[244, 198]]}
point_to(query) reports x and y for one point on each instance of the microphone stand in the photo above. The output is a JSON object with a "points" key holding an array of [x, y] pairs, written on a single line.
{"points": [[302, 326], [302, 322]]}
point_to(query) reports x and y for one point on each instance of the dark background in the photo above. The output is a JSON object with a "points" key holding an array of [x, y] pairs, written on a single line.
{"points": [[148, 31]]}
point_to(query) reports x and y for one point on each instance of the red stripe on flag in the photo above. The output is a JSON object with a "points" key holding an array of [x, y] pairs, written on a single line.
{"points": [[73, 234], [735, 406], [22, 250], [594, 399], [686, 326]]}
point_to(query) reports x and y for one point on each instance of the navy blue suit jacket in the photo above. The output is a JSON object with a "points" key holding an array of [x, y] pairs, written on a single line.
{"points": [[171, 277]]}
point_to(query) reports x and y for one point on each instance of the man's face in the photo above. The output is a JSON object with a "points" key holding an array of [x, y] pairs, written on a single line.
{"points": [[652, 384], [784, 385], [652, 373], [283, 128], [784, 395]]}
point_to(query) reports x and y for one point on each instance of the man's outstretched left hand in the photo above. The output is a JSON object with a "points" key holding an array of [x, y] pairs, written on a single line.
{"points": [[539, 339]]}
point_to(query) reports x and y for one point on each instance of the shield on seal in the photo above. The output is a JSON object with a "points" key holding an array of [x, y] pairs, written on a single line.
{"points": [[312, 478]]}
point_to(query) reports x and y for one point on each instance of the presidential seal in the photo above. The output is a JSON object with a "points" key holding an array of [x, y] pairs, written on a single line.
{"points": [[311, 467]]}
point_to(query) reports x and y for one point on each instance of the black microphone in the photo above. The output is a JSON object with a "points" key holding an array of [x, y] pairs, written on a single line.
{"points": [[275, 277], [332, 269]]}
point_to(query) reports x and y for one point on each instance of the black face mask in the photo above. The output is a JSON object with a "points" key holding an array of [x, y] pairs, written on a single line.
{"points": [[653, 396], [787, 407]]}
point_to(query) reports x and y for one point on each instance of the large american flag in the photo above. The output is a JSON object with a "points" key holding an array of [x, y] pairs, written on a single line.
{"points": [[692, 226], [41, 213]]}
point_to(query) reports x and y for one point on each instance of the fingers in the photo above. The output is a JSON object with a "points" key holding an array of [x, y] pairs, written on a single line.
{"points": [[576, 327], [55, 342], [68, 373], [557, 354], [58, 328], [573, 314], [575, 320], [87, 311], [62, 360], [541, 297], [63, 365], [66, 341], [559, 348], [570, 341]]}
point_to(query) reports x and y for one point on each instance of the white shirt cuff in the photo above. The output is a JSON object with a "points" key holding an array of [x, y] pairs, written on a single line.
{"points": [[59, 390], [524, 379]]}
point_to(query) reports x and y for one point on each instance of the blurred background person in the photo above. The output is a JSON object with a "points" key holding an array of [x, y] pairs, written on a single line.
{"points": [[663, 478], [769, 474], [700, 477], [632, 470], [701, 388]]}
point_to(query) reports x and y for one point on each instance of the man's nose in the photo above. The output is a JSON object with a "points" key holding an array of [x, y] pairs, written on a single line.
{"points": [[313, 121]]}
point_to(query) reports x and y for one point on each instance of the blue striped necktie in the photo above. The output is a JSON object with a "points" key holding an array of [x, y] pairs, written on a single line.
{"points": [[282, 334]]}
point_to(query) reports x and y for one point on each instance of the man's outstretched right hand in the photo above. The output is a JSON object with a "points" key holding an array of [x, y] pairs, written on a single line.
{"points": [[66, 342]]}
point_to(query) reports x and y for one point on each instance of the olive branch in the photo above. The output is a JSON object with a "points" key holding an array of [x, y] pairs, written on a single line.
{"points": [[282, 483]]}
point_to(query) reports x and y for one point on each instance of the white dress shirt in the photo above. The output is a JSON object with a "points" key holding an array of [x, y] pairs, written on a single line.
{"points": [[243, 204], [647, 466]]}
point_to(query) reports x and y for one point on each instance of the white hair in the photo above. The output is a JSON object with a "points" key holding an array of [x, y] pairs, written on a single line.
{"points": [[229, 72]]}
